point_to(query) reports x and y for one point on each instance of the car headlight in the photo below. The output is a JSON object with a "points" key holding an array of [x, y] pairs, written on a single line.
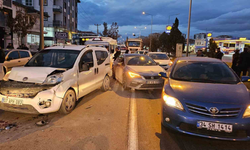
{"points": [[170, 63], [53, 79], [247, 112], [134, 75], [172, 102]]}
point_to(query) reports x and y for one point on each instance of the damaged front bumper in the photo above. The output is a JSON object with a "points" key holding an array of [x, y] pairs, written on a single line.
{"points": [[28, 97]]}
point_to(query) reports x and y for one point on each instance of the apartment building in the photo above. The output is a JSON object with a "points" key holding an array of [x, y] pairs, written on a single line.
{"points": [[62, 17]]}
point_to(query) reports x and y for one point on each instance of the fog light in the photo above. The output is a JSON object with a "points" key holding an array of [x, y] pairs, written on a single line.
{"points": [[167, 119]]}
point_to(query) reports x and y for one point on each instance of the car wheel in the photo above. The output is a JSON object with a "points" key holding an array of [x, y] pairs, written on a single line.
{"points": [[124, 83], [106, 84], [68, 103]]}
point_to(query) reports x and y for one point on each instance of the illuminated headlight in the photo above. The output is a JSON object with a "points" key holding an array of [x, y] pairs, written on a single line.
{"points": [[53, 79], [172, 102], [170, 63], [247, 112], [134, 75]]}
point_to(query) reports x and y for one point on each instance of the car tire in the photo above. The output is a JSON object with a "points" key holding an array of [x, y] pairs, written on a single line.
{"points": [[68, 102], [124, 83], [106, 84]]}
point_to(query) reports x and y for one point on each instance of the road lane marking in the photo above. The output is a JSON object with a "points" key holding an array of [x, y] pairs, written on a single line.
{"points": [[133, 128]]}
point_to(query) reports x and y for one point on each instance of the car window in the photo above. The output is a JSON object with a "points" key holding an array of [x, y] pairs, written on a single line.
{"points": [[101, 56], [54, 58], [159, 56], [14, 55], [206, 72], [24, 54], [87, 58]]}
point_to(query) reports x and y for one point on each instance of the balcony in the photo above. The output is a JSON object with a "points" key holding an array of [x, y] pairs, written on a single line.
{"points": [[58, 23], [57, 9]]}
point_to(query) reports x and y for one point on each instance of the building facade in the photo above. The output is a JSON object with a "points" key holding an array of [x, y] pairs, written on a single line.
{"points": [[200, 41], [61, 17], [5, 31]]}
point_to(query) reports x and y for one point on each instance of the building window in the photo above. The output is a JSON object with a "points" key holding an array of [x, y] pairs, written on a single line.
{"points": [[29, 2], [45, 19], [65, 20], [64, 5], [54, 2], [231, 45]]}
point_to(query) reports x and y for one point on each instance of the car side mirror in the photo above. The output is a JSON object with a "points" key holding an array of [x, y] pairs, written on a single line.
{"points": [[85, 67], [163, 75], [245, 79]]}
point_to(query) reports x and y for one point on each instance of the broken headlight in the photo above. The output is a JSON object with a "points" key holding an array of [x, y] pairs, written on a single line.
{"points": [[53, 79]]}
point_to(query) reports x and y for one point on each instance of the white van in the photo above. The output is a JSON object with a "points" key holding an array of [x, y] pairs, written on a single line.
{"points": [[54, 79]]}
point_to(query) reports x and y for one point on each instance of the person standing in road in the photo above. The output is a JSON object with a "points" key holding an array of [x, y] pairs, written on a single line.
{"points": [[244, 61], [2, 58], [219, 54], [117, 54], [199, 53], [235, 63]]}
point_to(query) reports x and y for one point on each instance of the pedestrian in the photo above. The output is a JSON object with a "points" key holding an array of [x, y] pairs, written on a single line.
{"points": [[2, 55], [199, 53], [235, 63], [244, 61], [10, 46], [219, 54], [117, 54]]}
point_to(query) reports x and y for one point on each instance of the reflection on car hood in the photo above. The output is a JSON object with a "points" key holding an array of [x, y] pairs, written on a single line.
{"points": [[147, 70], [209, 92], [32, 74], [162, 62]]}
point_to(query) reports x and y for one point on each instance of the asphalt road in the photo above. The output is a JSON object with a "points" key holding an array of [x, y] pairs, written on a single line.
{"points": [[114, 120]]}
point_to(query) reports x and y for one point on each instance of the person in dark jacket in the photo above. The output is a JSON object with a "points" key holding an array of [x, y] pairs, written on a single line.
{"points": [[2, 55], [200, 54], [235, 63], [219, 54], [117, 54], [244, 61]]}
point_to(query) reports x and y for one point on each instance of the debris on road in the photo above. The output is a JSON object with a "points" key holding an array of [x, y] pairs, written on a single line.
{"points": [[4, 125], [88, 107], [42, 123]]}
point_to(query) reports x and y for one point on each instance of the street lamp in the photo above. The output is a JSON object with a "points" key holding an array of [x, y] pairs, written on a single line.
{"points": [[144, 13], [189, 20], [144, 28]]}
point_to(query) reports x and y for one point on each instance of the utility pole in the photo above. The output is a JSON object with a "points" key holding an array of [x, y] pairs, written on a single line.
{"points": [[41, 26], [97, 28], [189, 20]]}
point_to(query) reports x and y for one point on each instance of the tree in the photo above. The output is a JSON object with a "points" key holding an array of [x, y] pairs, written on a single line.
{"points": [[212, 48], [22, 23], [105, 31], [169, 42], [113, 31]]}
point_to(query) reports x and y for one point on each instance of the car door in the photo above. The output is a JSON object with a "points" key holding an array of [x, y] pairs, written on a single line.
{"points": [[24, 57], [86, 76], [12, 60], [119, 69], [103, 64]]}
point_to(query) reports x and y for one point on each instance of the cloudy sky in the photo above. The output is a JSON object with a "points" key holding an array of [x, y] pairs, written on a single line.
{"points": [[221, 17]]}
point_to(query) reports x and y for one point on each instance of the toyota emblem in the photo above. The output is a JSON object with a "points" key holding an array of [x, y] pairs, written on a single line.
{"points": [[214, 110], [25, 78]]}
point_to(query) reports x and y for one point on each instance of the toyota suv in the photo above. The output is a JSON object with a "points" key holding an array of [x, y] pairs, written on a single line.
{"points": [[54, 79]]}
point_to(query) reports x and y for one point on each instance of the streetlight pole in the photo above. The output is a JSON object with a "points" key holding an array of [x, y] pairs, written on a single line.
{"points": [[189, 21], [150, 36], [41, 26]]}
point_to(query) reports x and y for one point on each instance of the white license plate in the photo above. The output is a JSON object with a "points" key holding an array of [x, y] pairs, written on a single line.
{"points": [[215, 126], [153, 82], [12, 101]]}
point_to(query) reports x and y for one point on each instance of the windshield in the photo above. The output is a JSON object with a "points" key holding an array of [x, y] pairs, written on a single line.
{"points": [[140, 61], [54, 58], [6, 52], [206, 72], [159, 56], [133, 44]]}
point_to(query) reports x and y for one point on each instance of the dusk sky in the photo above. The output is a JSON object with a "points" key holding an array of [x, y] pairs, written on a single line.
{"points": [[221, 17]]}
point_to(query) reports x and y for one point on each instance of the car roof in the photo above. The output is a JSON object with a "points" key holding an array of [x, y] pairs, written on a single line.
{"points": [[68, 47], [156, 53], [199, 59]]}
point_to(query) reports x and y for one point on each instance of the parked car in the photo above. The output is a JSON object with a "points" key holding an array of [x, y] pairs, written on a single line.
{"points": [[142, 52], [54, 79], [204, 97], [15, 58], [161, 58], [138, 72]]}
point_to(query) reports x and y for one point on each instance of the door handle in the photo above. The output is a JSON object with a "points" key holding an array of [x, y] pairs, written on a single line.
{"points": [[19, 61]]}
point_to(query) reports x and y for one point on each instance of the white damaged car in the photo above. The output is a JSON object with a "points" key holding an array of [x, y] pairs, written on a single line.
{"points": [[54, 79]]}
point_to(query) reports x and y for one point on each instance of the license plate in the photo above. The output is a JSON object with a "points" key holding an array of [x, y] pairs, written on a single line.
{"points": [[12, 101], [153, 82], [215, 126]]}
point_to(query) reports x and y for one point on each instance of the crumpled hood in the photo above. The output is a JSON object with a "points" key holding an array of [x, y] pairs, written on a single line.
{"points": [[208, 92], [149, 70], [32, 74], [162, 62]]}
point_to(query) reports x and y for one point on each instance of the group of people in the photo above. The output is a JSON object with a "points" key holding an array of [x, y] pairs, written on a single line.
{"points": [[218, 54], [241, 62], [118, 53]]}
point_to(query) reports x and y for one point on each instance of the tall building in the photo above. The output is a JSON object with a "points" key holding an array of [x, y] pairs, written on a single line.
{"points": [[62, 17], [5, 13]]}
